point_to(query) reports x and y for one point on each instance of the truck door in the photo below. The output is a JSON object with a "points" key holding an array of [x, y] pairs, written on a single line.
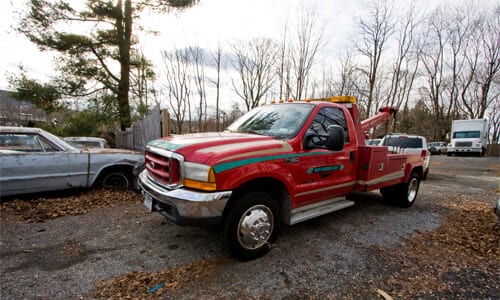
{"points": [[323, 174]]}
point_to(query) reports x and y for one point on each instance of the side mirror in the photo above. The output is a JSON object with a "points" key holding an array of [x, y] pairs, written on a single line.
{"points": [[312, 141], [335, 141]]}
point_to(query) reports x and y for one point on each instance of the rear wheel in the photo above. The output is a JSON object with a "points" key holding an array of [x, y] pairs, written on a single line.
{"points": [[426, 172], [251, 226], [403, 194]]}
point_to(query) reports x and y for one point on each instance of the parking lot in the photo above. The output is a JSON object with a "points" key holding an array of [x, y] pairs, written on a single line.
{"points": [[98, 244]]}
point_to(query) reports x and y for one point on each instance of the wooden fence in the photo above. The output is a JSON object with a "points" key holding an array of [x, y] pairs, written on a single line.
{"points": [[155, 125]]}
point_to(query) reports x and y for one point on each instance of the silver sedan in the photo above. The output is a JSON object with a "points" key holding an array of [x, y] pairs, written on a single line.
{"points": [[33, 160]]}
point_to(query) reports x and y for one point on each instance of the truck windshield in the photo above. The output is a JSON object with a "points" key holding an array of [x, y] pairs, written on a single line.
{"points": [[281, 121], [466, 134]]}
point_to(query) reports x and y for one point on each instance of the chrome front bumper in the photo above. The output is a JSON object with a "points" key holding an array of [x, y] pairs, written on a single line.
{"points": [[464, 150], [182, 206]]}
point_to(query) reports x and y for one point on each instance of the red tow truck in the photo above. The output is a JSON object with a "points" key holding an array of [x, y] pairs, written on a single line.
{"points": [[279, 163]]}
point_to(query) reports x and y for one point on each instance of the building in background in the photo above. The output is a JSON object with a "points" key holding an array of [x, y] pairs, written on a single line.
{"points": [[19, 113]]}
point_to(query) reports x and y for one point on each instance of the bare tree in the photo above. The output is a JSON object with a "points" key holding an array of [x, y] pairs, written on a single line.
{"points": [[491, 64], [376, 30], [217, 58], [254, 62], [176, 65], [461, 23], [404, 70], [433, 58], [345, 86], [460, 60], [140, 77], [494, 121], [304, 50], [483, 65], [283, 68], [197, 60], [342, 82]]}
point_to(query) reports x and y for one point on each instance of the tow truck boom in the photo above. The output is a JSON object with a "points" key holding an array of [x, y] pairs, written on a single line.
{"points": [[384, 115]]}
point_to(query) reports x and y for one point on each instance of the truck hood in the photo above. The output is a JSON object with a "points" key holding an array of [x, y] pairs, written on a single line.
{"points": [[217, 147]]}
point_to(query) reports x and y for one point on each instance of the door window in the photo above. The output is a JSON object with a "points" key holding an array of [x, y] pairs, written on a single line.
{"points": [[25, 143], [329, 116]]}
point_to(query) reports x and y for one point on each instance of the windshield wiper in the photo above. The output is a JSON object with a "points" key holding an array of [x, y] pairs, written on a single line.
{"points": [[254, 132]]}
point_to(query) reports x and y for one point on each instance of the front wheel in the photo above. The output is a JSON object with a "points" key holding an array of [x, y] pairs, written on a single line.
{"points": [[117, 179], [403, 194], [251, 226]]}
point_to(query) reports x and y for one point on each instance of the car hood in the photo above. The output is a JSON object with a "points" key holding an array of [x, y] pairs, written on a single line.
{"points": [[111, 151], [214, 148]]}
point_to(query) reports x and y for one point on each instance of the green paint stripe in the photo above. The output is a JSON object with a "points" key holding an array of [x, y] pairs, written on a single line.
{"points": [[238, 163]]}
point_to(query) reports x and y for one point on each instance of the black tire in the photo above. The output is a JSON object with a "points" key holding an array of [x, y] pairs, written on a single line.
{"points": [[251, 226], [403, 194], [424, 176], [117, 179]]}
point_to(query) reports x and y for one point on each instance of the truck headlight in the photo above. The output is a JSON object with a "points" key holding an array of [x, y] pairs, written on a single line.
{"points": [[199, 176]]}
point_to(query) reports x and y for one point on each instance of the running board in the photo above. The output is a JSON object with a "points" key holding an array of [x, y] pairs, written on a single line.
{"points": [[317, 209]]}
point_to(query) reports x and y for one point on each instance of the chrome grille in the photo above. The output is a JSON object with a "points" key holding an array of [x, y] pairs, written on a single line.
{"points": [[164, 168]]}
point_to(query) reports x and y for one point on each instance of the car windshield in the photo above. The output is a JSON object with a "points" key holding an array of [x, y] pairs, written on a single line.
{"points": [[374, 142], [403, 142], [89, 144], [281, 121], [466, 135]]}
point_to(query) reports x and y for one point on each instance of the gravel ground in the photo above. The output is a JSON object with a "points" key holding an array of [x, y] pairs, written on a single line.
{"points": [[445, 246]]}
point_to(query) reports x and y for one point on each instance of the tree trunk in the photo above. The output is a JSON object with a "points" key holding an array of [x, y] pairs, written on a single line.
{"points": [[124, 29]]}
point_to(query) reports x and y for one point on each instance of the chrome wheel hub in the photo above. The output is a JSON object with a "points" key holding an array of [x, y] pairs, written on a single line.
{"points": [[255, 227], [412, 189]]}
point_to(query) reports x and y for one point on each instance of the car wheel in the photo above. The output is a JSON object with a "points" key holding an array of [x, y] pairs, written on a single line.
{"points": [[402, 194], [251, 226], [117, 179], [424, 175]]}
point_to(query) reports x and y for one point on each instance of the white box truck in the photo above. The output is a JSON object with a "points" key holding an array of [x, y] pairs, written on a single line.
{"points": [[468, 137]]}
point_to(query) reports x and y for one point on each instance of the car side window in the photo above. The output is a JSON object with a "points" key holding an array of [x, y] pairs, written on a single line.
{"points": [[25, 143], [19, 142], [47, 147], [329, 116]]}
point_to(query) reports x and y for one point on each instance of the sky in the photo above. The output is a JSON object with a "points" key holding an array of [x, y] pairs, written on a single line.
{"points": [[207, 24]]}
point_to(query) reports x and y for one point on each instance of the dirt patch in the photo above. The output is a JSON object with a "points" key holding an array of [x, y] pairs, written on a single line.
{"points": [[79, 203], [141, 285], [460, 259]]}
